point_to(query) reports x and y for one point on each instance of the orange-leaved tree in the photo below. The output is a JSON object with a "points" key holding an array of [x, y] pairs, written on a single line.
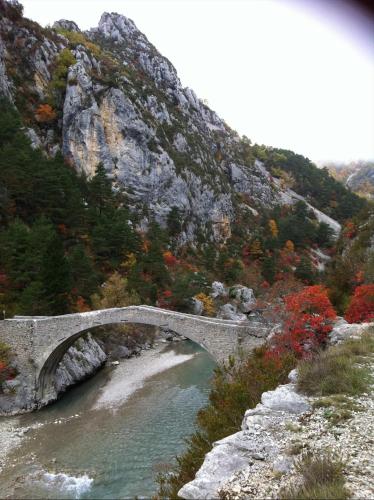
{"points": [[45, 113], [361, 306]]}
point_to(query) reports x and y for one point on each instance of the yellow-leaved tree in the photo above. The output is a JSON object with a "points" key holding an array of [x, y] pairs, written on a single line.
{"points": [[273, 228], [115, 293], [208, 304]]}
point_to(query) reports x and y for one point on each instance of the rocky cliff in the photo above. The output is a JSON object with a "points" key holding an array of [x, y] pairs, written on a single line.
{"points": [[114, 99]]}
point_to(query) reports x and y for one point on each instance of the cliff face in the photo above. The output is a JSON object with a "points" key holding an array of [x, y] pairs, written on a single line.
{"points": [[118, 101], [79, 362]]}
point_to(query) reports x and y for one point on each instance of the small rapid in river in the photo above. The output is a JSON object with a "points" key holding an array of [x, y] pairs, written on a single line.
{"points": [[108, 437]]}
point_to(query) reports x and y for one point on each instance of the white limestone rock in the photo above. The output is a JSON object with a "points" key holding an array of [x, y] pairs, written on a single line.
{"points": [[292, 376], [81, 360], [64, 24], [218, 290], [282, 464], [244, 297], [230, 311], [228, 456], [34, 138], [284, 398], [5, 85], [197, 307], [343, 330]]}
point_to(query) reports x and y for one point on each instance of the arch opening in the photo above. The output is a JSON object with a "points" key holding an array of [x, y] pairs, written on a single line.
{"points": [[46, 388]]}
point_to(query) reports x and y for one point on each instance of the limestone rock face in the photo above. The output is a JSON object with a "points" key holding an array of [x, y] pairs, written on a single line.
{"points": [[124, 106], [5, 86], [228, 456], [64, 24], [79, 362]]}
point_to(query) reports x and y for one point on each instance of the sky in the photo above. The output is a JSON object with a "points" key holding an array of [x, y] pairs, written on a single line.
{"points": [[295, 74]]}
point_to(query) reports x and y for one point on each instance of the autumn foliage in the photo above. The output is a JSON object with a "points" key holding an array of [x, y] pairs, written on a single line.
{"points": [[169, 259], [308, 320], [208, 304], [45, 114], [7, 372], [361, 307]]}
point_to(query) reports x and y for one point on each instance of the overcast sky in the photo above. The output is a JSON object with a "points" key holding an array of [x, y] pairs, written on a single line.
{"points": [[297, 74]]}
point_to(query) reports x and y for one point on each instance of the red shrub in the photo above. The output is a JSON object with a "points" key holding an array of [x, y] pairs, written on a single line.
{"points": [[361, 307], [309, 316]]}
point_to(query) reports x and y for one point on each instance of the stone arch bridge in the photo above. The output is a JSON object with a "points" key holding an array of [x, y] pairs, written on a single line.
{"points": [[39, 343]]}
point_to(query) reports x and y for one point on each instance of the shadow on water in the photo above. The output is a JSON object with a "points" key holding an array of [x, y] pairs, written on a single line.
{"points": [[111, 452]]}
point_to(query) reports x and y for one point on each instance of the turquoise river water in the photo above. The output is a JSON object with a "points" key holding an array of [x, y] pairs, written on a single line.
{"points": [[108, 437]]}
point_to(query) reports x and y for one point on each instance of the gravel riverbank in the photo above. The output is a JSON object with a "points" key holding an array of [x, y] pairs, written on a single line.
{"points": [[10, 437]]}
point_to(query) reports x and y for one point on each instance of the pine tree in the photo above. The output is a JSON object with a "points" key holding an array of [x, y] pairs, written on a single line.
{"points": [[304, 270], [100, 189], [56, 278]]}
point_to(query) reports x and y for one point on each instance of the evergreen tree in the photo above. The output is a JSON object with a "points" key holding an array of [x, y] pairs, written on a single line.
{"points": [[304, 270], [56, 278], [100, 190], [174, 221], [269, 268], [83, 274], [324, 235]]}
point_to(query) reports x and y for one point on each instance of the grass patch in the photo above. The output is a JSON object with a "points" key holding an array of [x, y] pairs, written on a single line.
{"points": [[322, 478], [335, 371], [295, 448], [292, 427], [339, 401]]}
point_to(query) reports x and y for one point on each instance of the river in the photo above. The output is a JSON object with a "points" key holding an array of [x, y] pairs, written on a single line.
{"points": [[108, 437]]}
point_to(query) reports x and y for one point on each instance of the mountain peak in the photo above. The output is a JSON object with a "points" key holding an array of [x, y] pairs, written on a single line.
{"points": [[116, 26], [65, 24]]}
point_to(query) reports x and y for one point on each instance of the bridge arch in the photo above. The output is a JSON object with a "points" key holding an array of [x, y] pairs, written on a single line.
{"points": [[41, 342], [46, 378]]}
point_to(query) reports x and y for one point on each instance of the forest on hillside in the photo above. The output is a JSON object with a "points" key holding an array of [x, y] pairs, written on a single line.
{"points": [[63, 235]]}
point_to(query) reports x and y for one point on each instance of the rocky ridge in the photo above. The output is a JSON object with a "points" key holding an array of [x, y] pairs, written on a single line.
{"points": [[258, 461], [123, 105]]}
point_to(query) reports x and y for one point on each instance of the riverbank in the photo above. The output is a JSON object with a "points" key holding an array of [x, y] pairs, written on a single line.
{"points": [[111, 449], [135, 371], [10, 437]]}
